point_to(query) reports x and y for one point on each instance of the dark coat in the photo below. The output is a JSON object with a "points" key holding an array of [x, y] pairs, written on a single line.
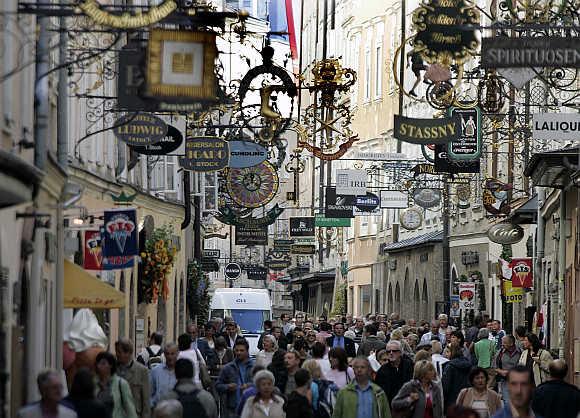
{"points": [[298, 406], [392, 379], [348, 345], [231, 374], [261, 339], [455, 377], [556, 398], [87, 408], [401, 401], [372, 343]]}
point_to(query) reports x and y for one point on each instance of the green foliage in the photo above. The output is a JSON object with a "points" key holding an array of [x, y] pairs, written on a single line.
{"points": [[198, 298], [506, 252], [339, 305]]}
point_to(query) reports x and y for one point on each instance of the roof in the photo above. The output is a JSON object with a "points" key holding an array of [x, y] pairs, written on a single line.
{"points": [[417, 241], [315, 276], [527, 213], [553, 168]]}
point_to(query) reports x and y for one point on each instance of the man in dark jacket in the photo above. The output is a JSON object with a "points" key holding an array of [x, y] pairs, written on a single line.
{"points": [[339, 340], [267, 331], [556, 398], [455, 375], [235, 377], [397, 371], [371, 342]]}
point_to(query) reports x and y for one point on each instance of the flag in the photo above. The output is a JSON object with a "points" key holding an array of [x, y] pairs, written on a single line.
{"points": [[506, 269], [120, 233], [114, 262], [522, 272]]}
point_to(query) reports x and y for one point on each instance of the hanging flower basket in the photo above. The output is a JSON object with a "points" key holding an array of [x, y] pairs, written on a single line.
{"points": [[157, 260]]}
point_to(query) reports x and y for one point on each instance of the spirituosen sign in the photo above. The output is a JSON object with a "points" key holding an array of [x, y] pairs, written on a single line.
{"points": [[205, 154], [426, 131], [467, 146], [446, 30], [562, 126], [550, 51], [168, 144], [141, 129]]}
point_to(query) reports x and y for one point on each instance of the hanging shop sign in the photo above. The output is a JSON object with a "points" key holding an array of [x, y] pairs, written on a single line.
{"points": [[522, 272], [302, 249], [368, 203], [278, 264], [495, 197], [560, 126], [205, 154], [251, 236], [210, 253], [426, 131], [338, 206], [131, 80], [324, 222], [256, 272], [228, 216], [467, 146], [467, 295], [209, 265], [147, 17], [424, 168], [181, 65], [505, 234], [351, 182], [283, 245], [443, 164], [169, 143], [252, 187], [379, 156], [232, 271], [463, 193], [93, 251], [411, 218], [393, 199], [553, 51], [246, 154], [140, 129], [512, 294], [120, 233], [302, 226], [427, 198], [445, 30]]}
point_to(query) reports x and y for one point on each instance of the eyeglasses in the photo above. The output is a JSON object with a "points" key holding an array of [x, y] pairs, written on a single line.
{"points": [[392, 351]]}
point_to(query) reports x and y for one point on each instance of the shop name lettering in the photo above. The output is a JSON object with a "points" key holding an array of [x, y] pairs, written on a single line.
{"points": [[557, 126], [206, 151], [95, 301], [125, 21], [428, 132], [543, 57]]}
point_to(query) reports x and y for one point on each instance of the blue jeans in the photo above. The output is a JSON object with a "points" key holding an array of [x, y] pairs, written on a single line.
{"points": [[505, 396]]}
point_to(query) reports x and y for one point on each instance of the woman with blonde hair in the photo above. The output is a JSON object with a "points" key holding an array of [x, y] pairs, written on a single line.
{"points": [[319, 388], [397, 335], [270, 346], [421, 397]]}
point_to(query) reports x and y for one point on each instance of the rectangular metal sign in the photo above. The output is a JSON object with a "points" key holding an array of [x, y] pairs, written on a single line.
{"points": [[393, 199], [302, 226], [251, 236], [351, 182], [426, 131], [323, 221], [336, 206], [502, 52], [303, 249], [379, 156], [561, 126], [210, 253], [467, 146]]}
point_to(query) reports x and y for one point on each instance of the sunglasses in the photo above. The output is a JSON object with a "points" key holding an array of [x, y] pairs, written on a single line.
{"points": [[392, 351]]}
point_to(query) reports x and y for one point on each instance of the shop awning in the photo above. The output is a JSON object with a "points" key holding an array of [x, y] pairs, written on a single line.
{"points": [[81, 290]]}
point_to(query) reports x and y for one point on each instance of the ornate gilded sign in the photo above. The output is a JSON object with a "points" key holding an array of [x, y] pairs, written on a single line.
{"points": [[426, 131], [468, 145], [230, 217], [495, 197], [205, 154], [141, 129], [252, 187], [92, 8], [446, 30]]}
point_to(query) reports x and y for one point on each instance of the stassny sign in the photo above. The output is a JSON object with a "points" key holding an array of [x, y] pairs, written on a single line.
{"points": [[426, 131]]}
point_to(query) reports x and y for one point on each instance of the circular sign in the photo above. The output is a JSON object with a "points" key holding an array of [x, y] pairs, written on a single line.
{"points": [[233, 271], [427, 198], [141, 129], [505, 233], [169, 143], [411, 218], [252, 187], [95, 10], [367, 203]]}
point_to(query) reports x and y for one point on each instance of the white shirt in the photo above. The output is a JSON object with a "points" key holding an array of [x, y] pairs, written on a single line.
{"points": [[438, 361], [339, 378], [324, 367], [195, 357]]}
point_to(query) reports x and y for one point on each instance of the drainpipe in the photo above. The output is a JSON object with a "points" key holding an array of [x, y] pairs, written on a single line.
{"points": [[541, 283], [561, 274]]}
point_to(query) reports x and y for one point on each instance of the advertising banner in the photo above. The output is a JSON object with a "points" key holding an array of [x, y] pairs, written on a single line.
{"points": [[93, 251], [351, 182], [467, 295], [553, 51], [338, 206], [561, 126], [426, 131], [522, 272], [512, 294], [120, 233]]}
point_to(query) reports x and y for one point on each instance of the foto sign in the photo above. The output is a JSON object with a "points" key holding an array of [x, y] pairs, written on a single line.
{"points": [[245, 154], [393, 199], [467, 146], [502, 52], [505, 233], [351, 182], [205, 154], [233, 271], [140, 129], [561, 126], [426, 131]]}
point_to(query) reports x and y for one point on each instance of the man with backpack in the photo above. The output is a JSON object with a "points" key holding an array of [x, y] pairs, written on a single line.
{"points": [[151, 355], [196, 402]]}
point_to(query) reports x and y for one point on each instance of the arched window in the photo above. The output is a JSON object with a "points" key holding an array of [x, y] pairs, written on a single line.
{"points": [[390, 307], [398, 298], [406, 290], [425, 305], [416, 301]]}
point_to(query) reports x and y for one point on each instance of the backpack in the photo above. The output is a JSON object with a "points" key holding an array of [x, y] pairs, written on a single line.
{"points": [[154, 359], [327, 392], [192, 406]]}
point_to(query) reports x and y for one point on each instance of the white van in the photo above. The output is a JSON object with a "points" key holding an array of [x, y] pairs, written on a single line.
{"points": [[248, 307]]}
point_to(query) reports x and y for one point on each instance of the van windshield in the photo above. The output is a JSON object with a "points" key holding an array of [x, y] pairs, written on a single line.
{"points": [[250, 321]]}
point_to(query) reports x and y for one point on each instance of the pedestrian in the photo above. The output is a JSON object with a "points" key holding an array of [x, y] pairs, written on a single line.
{"points": [[287, 326], [444, 327], [235, 377], [457, 337], [265, 403], [280, 338], [269, 347], [278, 369], [520, 386], [455, 375], [371, 342], [311, 338], [231, 334], [478, 397], [223, 355], [319, 354], [555, 398], [162, 378], [339, 340], [324, 332], [151, 355], [361, 398], [196, 402], [50, 388], [520, 335], [485, 354], [437, 358], [535, 358], [422, 396], [206, 345], [136, 375], [397, 371], [397, 335], [433, 334], [251, 390], [267, 331], [323, 391], [340, 372], [113, 391], [292, 363], [496, 333], [187, 351], [298, 404], [168, 409], [82, 396], [358, 329], [507, 358]]}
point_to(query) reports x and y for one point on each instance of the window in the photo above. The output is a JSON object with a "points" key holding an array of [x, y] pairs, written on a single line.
{"points": [[368, 65], [355, 45], [210, 192], [164, 174], [379, 60]]}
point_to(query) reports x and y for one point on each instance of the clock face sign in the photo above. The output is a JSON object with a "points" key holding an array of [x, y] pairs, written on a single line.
{"points": [[158, 10], [411, 218], [252, 187]]}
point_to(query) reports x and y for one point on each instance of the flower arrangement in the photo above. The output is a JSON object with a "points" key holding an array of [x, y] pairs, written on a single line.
{"points": [[157, 261]]}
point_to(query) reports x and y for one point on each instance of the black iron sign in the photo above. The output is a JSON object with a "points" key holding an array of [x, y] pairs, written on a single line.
{"points": [[251, 236], [303, 249], [444, 164], [302, 226], [256, 272], [338, 206], [426, 131], [168, 144], [140, 129], [233, 271], [205, 154], [467, 146], [545, 51]]}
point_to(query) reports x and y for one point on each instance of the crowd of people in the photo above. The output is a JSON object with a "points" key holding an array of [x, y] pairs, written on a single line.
{"points": [[371, 367]]}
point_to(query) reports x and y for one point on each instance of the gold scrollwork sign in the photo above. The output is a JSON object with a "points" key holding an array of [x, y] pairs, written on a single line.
{"points": [[154, 14]]}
